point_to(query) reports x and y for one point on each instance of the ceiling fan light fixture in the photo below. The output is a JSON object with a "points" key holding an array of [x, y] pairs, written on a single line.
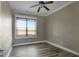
{"points": [[42, 5]]}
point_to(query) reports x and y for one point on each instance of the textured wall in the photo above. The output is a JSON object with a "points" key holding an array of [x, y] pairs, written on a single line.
{"points": [[0, 25], [6, 27], [62, 27], [40, 30]]}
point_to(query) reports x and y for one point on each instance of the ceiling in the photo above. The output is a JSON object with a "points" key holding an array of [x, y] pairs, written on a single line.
{"points": [[25, 7]]}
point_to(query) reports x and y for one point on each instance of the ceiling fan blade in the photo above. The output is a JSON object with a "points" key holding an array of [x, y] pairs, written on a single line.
{"points": [[41, 2], [48, 2], [38, 9], [35, 5], [46, 8]]}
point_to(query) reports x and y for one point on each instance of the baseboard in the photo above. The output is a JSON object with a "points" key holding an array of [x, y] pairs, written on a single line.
{"points": [[64, 48], [29, 43], [8, 54]]}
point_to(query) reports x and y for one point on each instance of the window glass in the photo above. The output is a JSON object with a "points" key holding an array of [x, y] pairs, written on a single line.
{"points": [[20, 26], [31, 27]]}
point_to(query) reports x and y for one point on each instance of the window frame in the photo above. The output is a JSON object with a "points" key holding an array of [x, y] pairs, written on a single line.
{"points": [[25, 17]]}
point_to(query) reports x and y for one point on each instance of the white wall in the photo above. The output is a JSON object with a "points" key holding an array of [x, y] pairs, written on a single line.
{"points": [[6, 27], [62, 27], [0, 25]]}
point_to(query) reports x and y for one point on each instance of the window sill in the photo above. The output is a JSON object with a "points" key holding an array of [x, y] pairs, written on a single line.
{"points": [[24, 37]]}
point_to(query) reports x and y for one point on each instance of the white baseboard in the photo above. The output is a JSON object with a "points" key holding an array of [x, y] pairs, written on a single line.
{"points": [[29, 43], [8, 54], [64, 48]]}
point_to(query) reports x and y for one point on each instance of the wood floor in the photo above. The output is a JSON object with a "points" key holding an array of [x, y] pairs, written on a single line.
{"points": [[39, 50]]}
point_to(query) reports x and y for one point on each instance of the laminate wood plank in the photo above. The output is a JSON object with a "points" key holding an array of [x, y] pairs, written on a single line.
{"points": [[39, 50]]}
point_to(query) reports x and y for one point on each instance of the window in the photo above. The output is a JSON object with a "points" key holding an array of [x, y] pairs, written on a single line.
{"points": [[31, 27], [20, 26], [25, 27]]}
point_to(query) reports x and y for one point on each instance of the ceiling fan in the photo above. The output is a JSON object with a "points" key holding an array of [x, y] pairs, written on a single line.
{"points": [[41, 4]]}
